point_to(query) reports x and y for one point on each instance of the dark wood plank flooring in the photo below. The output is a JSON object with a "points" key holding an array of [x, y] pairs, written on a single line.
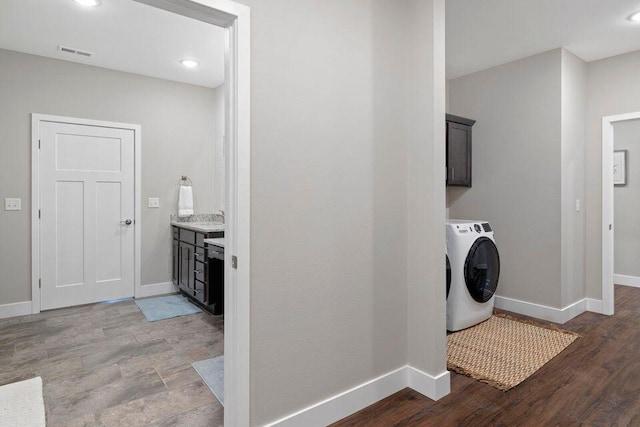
{"points": [[105, 364], [594, 382]]}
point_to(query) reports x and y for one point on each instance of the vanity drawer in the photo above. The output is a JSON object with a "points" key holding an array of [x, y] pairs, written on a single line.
{"points": [[199, 296], [200, 239], [216, 252], [200, 271], [200, 254], [175, 232], [187, 236], [199, 286]]}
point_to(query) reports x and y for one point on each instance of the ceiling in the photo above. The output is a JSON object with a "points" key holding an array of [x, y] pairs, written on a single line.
{"points": [[129, 36], [483, 34], [122, 35]]}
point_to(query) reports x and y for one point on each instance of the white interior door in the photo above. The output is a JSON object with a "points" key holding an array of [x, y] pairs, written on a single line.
{"points": [[87, 214]]}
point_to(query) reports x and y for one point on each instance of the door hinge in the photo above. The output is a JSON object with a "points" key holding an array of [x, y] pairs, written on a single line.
{"points": [[38, 144], [40, 283], [39, 214], [234, 261]]}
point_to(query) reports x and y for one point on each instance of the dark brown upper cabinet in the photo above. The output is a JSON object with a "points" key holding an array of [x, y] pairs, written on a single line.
{"points": [[459, 151]]}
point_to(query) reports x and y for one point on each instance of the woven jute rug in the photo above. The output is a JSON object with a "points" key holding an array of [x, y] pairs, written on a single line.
{"points": [[504, 351]]}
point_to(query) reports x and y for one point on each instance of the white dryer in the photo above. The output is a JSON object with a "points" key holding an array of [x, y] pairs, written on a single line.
{"points": [[475, 269]]}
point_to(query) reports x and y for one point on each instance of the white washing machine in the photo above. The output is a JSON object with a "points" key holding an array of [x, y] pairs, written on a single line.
{"points": [[475, 268]]}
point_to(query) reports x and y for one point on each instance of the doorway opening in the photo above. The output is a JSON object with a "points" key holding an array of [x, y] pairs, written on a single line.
{"points": [[614, 175], [234, 19]]}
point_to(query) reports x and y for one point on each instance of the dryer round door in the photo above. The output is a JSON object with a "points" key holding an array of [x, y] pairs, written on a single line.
{"points": [[481, 269], [448, 275]]}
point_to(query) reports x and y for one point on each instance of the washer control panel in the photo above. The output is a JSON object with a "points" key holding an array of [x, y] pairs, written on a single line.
{"points": [[471, 228]]}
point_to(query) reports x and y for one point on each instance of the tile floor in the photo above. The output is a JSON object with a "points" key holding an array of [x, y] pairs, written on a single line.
{"points": [[106, 365]]}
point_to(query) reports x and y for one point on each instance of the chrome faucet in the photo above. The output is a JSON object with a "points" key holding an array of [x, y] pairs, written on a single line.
{"points": [[222, 215]]}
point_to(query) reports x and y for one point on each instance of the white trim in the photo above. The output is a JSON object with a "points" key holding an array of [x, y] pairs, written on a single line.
{"points": [[154, 289], [433, 387], [15, 309], [236, 18], [607, 208], [359, 397], [35, 217], [621, 279], [539, 311], [35, 196], [137, 216], [594, 305]]}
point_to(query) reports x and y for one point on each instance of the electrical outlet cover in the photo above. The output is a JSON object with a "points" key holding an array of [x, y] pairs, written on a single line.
{"points": [[11, 204]]}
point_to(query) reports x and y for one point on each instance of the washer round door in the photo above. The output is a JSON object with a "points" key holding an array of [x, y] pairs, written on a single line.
{"points": [[482, 269], [448, 275]]}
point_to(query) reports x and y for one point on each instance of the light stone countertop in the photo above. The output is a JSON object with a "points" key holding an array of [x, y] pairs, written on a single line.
{"points": [[203, 227], [216, 242]]}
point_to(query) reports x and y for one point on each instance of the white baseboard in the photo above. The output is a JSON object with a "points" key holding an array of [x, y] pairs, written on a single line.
{"points": [[551, 314], [594, 305], [348, 402], [433, 387], [156, 289], [15, 309], [621, 279]]}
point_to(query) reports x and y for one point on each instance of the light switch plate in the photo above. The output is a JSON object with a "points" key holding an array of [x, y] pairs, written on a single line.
{"points": [[12, 204], [154, 202]]}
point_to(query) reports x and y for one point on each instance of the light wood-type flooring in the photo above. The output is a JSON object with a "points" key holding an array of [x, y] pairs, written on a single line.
{"points": [[594, 382], [105, 364]]}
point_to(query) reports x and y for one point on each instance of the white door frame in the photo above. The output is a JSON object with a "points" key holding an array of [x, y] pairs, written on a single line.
{"points": [[36, 119], [607, 208], [236, 19]]}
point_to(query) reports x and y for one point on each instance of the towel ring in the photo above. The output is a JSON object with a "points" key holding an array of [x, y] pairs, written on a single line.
{"points": [[185, 180]]}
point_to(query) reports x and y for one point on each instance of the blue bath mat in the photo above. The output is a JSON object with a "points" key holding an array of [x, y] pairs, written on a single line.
{"points": [[159, 308], [212, 373]]}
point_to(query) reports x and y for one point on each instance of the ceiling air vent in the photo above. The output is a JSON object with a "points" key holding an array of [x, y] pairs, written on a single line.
{"points": [[73, 51]]}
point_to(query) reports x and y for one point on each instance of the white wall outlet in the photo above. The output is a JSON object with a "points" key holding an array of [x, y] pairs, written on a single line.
{"points": [[12, 204], [578, 205], [154, 202]]}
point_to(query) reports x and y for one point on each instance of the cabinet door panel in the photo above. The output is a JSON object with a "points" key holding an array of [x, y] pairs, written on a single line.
{"points": [[175, 261], [186, 266], [458, 154]]}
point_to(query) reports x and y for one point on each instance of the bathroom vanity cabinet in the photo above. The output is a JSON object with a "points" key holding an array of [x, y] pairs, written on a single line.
{"points": [[191, 270]]}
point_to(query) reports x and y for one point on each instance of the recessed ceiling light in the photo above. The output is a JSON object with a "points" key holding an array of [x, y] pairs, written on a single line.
{"points": [[189, 63], [635, 17], [88, 3]]}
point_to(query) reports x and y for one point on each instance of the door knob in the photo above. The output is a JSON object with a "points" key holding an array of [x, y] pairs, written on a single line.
{"points": [[126, 222]]}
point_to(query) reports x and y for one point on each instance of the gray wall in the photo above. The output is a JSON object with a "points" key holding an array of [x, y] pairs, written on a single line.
{"points": [[612, 88], [219, 154], [516, 170], [627, 202], [177, 129], [573, 111], [329, 199]]}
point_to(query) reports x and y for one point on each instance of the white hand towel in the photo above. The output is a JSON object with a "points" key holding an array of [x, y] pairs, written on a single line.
{"points": [[185, 201]]}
